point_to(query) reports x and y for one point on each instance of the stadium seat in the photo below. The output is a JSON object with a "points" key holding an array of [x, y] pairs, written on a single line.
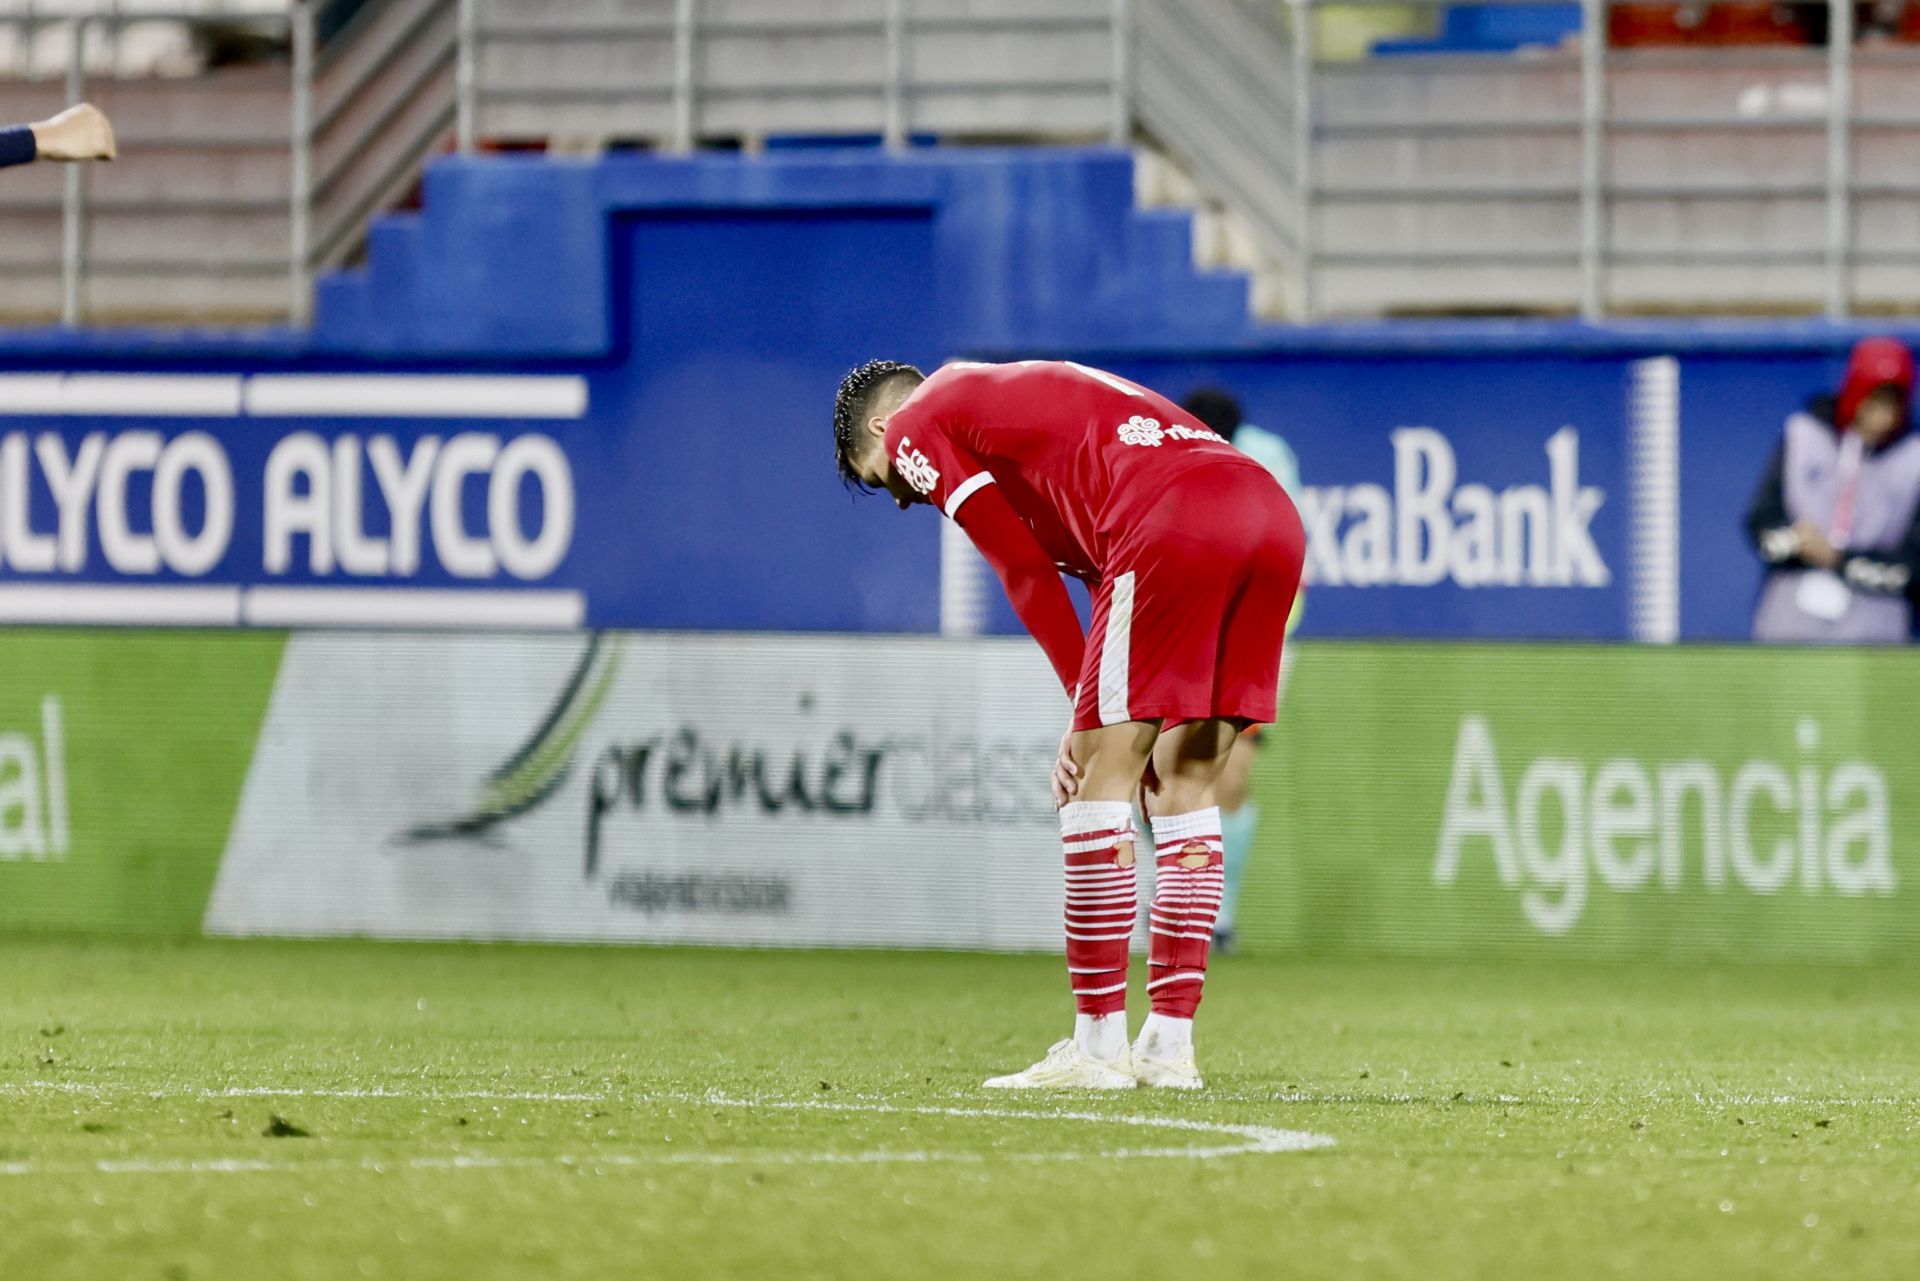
{"points": [[1491, 28]]}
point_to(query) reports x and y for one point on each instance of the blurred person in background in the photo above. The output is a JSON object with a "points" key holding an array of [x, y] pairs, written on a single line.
{"points": [[1874, 21], [1698, 22], [79, 133], [1219, 410], [1836, 518]]}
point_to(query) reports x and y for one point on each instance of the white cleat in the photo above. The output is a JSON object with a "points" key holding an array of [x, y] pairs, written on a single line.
{"points": [[1173, 1070], [1067, 1067]]}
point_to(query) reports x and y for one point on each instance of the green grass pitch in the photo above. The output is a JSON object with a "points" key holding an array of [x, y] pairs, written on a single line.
{"points": [[480, 1113]]}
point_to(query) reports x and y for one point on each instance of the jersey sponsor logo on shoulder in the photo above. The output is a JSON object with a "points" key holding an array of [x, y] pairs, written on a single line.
{"points": [[914, 467], [1140, 430]]}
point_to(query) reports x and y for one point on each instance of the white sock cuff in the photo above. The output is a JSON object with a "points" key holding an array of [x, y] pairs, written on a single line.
{"points": [[1078, 818], [1187, 827]]}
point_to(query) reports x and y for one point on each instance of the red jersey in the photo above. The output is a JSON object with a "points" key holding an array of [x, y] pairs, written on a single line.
{"points": [[1080, 455]]}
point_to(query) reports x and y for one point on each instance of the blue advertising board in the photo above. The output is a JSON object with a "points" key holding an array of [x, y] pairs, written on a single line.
{"points": [[1540, 428], [599, 394], [1448, 496], [524, 500]]}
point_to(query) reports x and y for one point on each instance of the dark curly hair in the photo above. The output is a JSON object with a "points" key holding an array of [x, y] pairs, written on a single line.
{"points": [[1215, 408], [859, 391]]}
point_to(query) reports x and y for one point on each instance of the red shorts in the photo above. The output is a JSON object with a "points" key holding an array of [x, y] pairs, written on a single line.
{"points": [[1189, 621]]}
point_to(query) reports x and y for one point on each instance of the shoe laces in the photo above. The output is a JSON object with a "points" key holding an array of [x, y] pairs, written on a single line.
{"points": [[1062, 1051]]}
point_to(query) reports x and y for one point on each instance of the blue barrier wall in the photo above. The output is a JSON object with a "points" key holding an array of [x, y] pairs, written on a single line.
{"points": [[666, 335], [1353, 403]]}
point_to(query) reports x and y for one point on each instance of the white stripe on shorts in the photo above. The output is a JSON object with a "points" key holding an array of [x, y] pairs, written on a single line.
{"points": [[1115, 655]]}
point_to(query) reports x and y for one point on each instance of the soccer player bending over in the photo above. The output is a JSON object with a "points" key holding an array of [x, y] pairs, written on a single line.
{"points": [[79, 133], [1193, 553]]}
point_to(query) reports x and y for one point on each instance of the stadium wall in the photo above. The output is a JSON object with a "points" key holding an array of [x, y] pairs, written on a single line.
{"points": [[596, 394], [1423, 798], [585, 405]]}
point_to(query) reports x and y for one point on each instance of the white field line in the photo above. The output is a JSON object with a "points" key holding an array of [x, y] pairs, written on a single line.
{"points": [[1794, 1100], [15, 1089], [1254, 1138], [517, 1096], [1568, 1100], [1251, 1140], [26, 1089]]}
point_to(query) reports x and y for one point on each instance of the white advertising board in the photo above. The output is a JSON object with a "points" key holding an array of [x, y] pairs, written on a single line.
{"points": [[781, 790]]}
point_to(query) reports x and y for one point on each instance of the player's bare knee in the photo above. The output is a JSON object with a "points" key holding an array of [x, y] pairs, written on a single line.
{"points": [[1111, 777], [1111, 759], [1190, 761], [1187, 789]]}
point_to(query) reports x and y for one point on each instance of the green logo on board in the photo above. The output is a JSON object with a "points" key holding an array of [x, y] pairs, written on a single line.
{"points": [[34, 820], [1624, 824]]}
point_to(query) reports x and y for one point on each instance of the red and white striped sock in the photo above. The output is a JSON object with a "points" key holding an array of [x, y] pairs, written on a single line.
{"points": [[1102, 900], [1188, 880]]}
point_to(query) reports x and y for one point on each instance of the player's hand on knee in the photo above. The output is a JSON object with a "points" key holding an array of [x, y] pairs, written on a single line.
{"points": [[80, 132], [1066, 775]]}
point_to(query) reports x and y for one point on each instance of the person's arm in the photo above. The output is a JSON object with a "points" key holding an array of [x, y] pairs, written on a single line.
{"points": [[927, 446], [17, 146], [1769, 527], [1031, 579], [1888, 573], [80, 132]]}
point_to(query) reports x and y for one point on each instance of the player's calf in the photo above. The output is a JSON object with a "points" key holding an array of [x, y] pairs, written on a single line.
{"points": [[1188, 881], [1102, 899], [1097, 839]]}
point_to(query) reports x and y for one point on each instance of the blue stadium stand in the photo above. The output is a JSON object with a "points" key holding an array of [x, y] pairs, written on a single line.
{"points": [[1491, 28]]}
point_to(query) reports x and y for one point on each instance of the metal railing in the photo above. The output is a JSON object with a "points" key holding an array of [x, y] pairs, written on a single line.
{"points": [[384, 101], [92, 65], [1581, 178], [1528, 182], [339, 130], [1230, 98], [674, 72], [1366, 161]]}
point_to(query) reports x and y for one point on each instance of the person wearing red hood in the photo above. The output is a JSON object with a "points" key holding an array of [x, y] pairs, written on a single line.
{"points": [[1836, 519]]}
